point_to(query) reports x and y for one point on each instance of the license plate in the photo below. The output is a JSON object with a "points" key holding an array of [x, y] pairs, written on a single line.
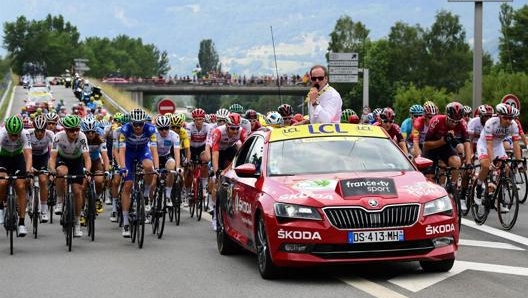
{"points": [[375, 236]]}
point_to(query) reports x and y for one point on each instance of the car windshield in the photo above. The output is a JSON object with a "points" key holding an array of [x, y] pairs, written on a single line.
{"points": [[334, 154]]}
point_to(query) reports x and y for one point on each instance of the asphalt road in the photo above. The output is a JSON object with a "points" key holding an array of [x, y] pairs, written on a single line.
{"points": [[185, 263]]}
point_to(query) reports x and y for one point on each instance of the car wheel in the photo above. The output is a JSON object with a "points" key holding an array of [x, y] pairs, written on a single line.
{"points": [[265, 264], [225, 245], [437, 266]]}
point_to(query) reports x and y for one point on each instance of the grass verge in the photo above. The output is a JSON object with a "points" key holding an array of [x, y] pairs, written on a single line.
{"points": [[5, 104]]}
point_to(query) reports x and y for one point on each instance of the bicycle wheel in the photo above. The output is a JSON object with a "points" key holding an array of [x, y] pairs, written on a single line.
{"points": [[192, 200], [91, 212], [199, 201], [35, 218], [507, 203], [161, 215], [132, 217], [521, 179], [453, 194], [69, 218], [176, 201], [11, 220], [140, 222], [52, 199], [154, 219], [480, 211]]}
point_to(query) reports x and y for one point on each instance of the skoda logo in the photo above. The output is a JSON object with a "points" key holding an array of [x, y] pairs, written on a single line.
{"points": [[373, 203]]}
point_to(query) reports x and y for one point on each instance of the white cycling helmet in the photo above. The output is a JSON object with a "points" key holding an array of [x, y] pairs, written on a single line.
{"points": [[222, 114], [163, 121], [274, 119], [39, 122], [137, 115], [88, 124]]}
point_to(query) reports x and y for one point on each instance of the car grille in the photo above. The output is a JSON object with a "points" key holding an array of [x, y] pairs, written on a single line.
{"points": [[372, 250], [359, 218]]}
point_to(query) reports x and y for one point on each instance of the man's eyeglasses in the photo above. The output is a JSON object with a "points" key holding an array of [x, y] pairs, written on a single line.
{"points": [[454, 121], [89, 132], [138, 123], [40, 130], [221, 120], [234, 127], [73, 130], [175, 127], [387, 121], [14, 135], [507, 118], [162, 128], [315, 79], [429, 116], [416, 116], [52, 123], [253, 120]]}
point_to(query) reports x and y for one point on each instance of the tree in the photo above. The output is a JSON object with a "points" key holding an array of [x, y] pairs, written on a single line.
{"points": [[208, 57], [513, 44], [449, 59]]}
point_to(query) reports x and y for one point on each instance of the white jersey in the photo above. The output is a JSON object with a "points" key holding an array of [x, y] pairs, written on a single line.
{"points": [[197, 137], [40, 147], [70, 149], [495, 132], [245, 124], [165, 144], [12, 148], [474, 128]]}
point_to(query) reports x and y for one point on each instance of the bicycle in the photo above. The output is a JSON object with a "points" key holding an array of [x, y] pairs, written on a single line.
{"points": [[196, 196], [137, 213], [11, 214], [33, 195], [499, 188], [52, 199], [159, 207], [67, 219], [176, 198], [521, 180], [452, 189]]}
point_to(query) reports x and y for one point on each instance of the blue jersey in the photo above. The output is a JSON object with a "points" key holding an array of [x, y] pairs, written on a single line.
{"points": [[129, 140], [406, 128]]}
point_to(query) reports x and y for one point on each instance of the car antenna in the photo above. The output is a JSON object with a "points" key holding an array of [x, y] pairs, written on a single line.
{"points": [[276, 69]]}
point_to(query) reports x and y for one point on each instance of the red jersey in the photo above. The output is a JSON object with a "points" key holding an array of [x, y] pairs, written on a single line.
{"points": [[394, 132], [438, 128], [220, 140]]}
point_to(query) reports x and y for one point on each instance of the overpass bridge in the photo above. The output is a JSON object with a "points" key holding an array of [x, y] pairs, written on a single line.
{"points": [[138, 91]]}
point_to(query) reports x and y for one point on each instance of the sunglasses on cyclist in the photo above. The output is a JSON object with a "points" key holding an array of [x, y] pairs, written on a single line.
{"points": [[234, 127], [73, 130], [163, 128], [138, 123]]}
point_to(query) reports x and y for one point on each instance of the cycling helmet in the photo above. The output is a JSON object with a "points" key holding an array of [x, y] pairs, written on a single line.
{"points": [[176, 120], [416, 110], [236, 108], [103, 123], [504, 110], [71, 121], [387, 114], [198, 113], [89, 124], [285, 110], [354, 119], [298, 117], [251, 114], [207, 118], [454, 111], [516, 112], [39, 122], [117, 116], [212, 117], [125, 118], [163, 121], [26, 121], [485, 111], [274, 119], [14, 125], [467, 110], [430, 108], [345, 114], [233, 119], [138, 115], [377, 112], [222, 114]]}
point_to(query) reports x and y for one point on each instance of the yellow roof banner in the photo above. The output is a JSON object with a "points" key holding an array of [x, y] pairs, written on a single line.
{"points": [[326, 129]]}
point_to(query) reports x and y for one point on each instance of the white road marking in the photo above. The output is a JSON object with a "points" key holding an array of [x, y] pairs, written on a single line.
{"points": [[417, 281], [496, 232], [488, 244], [372, 288]]}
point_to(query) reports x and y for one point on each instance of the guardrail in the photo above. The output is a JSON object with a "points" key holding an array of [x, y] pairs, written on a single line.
{"points": [[113, 103]]}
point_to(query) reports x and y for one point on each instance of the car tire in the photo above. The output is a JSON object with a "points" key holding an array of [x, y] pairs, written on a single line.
{"points": [[437, 266], [266, 268], [225, 245]]}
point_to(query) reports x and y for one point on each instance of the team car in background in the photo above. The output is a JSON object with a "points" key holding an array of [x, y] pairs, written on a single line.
{"points": [[329, 194], [39, 97]]}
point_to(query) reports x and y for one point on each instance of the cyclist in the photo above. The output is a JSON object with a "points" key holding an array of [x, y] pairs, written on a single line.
{"points": [[177, 122], [286, 111], [116, 179], [345, 115], [41, 140], [467, 113], [224, 142], [476, 124], [69, 151], [252, 116], [137, 141], [440, 142], [198, 131], [420, 126], [168, 160], [415, 111], [52, 119], [15, 159], [274, 119], [387, 122], [98, 154], [490, 146]]}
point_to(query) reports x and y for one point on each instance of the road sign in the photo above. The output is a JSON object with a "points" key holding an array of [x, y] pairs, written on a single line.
{"points": [[343, 70], [343, 56], [511, 100], [332, 63], [344, 78], [166, 106]]}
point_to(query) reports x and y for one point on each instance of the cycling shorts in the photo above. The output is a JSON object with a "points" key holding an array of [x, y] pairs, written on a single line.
{"points": [[130, 156]]}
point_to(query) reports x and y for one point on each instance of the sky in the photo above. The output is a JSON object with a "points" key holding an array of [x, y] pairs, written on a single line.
{"points": [[241, 29]]}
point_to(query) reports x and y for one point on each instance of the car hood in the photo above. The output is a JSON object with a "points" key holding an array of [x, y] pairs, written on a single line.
{"points": [[355, 188]]}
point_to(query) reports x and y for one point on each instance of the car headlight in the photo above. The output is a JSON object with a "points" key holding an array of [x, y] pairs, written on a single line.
{"points": [[440, 205], [296, 211]]}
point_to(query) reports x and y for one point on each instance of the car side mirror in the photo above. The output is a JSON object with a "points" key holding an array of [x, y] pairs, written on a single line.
{"points": [[422, 163], [247, 170]]}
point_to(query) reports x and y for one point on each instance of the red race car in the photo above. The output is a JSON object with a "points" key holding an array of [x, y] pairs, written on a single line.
{"points": [[332, 193]]}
